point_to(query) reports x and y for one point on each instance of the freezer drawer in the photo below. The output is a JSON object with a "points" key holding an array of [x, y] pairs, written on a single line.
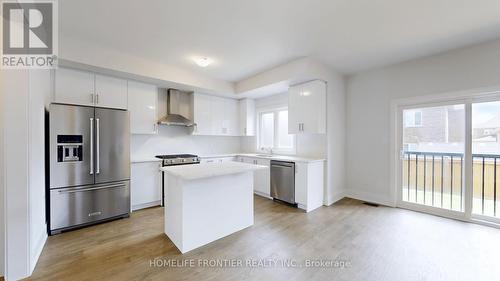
{"points": [[73, 207]]}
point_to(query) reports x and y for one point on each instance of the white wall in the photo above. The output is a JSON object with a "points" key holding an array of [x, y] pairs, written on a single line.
{"points": [[368, 108], [313, 146], [15, 90], [2, 180], [24, 96], [39, 98], [176, 140]]}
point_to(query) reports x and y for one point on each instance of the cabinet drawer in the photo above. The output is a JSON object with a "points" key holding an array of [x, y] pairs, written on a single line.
{"points": [[86, 204]]}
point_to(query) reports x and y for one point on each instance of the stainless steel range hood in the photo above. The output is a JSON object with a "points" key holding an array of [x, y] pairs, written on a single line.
{"points": [[179, 109]]}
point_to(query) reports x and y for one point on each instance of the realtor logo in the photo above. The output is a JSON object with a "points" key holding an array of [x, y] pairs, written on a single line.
{"points": [[29, 34]]}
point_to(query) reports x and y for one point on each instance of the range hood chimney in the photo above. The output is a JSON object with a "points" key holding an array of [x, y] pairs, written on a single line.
{"points": [[179, 109]]}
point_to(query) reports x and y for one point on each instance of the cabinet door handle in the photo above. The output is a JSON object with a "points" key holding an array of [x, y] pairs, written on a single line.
{"points": [[97, 98], [92, 98], [302, 127]]}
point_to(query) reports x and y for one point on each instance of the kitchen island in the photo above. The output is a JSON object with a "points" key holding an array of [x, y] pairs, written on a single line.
{"points": [[206, 202]]}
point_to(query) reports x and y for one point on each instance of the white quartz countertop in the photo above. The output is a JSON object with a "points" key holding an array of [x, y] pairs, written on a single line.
{"points": [[142, 159], [207, 170], [266, 156]]}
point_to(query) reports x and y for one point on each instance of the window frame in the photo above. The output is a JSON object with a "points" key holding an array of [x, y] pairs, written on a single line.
{"points": [[275, 148]]}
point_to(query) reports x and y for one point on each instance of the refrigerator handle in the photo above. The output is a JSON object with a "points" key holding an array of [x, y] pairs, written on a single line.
{"points": [[98, 168], [91, 146]]}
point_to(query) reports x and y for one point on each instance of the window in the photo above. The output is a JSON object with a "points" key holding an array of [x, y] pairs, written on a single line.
{"points": [[273, 132], [413, 118]]}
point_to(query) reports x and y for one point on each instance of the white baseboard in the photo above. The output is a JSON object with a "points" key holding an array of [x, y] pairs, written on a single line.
{"points": [[262, 194], [369, 197], [40, 243], [146, 205], [335, 198]]}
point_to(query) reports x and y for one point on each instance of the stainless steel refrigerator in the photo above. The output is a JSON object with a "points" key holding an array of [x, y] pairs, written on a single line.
{"points": [[89, 166]]}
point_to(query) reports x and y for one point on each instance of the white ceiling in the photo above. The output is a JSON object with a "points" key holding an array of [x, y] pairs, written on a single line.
{"points": [[246, 37]]}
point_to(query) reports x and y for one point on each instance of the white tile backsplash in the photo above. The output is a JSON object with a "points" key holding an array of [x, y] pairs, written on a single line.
{"points": [[176, 140]]}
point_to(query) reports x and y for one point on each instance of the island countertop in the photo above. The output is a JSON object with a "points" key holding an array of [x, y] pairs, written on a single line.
{"points": [[207, 170]]}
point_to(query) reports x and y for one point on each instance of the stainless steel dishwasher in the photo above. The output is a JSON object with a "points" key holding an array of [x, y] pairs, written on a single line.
{"points": [[283, 181]]}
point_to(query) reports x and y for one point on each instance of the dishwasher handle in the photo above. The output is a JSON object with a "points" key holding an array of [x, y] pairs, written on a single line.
{"points": [[282, 164]]}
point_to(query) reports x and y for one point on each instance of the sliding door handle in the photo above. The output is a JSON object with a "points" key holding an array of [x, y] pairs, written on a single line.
{"points": [[91, 146], [98, 164]]}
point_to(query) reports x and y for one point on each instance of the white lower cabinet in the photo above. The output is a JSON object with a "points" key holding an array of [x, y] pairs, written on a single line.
{"points": [[261, 178], [309, 185], [309, 181], [145, 185]]}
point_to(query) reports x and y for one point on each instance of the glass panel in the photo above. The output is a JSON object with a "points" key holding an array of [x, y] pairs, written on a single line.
{"points": [[267, 130], [433, 144], [284, 139], [486, 157]]}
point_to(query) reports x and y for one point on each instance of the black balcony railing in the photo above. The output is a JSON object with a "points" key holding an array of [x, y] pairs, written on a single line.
{"points": [[436, 179], [432, 177], [485, 184]]}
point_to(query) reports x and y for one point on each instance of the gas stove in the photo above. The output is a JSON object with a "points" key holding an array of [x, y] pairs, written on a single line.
{"points": [[178, 159], [173, 160]]}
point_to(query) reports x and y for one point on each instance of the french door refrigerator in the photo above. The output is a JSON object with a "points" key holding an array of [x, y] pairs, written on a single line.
{"points": [[89, 166]]}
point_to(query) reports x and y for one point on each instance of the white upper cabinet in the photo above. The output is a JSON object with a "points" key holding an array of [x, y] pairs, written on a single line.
{"points": [[111, 92], [230, 120], [74, 87], [247, 117], [219, 119], [143, 108], [202, 114], [215, 116], [307, 108], [86, 88]]}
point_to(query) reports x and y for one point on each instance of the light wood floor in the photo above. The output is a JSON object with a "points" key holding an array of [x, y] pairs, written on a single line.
{"points": [[379, 243]]}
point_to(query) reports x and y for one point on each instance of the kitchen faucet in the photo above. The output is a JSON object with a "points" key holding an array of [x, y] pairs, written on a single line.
{"points": [[268, 150]]}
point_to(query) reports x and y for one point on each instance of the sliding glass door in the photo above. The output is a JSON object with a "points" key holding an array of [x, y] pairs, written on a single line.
{"points": [[450, 158], [433, 146], [486, 158]]}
